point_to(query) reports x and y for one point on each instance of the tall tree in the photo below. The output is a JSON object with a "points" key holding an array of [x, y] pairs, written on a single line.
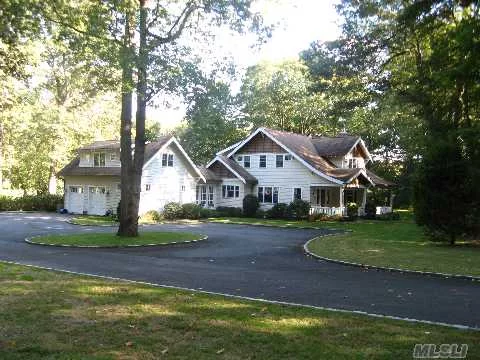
{"points": [[213, 120]]}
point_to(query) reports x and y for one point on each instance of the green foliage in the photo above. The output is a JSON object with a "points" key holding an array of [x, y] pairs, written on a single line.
{"points": [[151, 216], [370, 209], [443, 192], [250, 205], [228, 211], [172, 211], [44, 202], [299, 209], [191, 211], [206, 213], [352, 210], [212, 121], [388, 216], [279, 211]]}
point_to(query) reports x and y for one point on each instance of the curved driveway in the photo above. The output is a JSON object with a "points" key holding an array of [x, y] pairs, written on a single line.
{"points": [[257, 262]]}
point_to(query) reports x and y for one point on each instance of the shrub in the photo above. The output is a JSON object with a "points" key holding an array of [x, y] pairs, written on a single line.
{"points": [[229, 211], [278, 211], [207, 213], [151, 216], [250, 205], [299, 209], [388, 216], [323, 217], [191, 211], [172, 211], [44, 202], [352, 210], [260, 214], [370, 209]]}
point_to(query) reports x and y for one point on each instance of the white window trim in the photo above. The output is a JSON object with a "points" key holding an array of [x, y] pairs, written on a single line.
{"points": [[113, 157], [105, 160], [272, 186], [293, 192], [76, 186], [283, 160], [249, 161], [234, 191], [266, 161]]}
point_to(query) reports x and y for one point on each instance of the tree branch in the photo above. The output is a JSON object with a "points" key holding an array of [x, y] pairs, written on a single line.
{"points": [[176, 29]]}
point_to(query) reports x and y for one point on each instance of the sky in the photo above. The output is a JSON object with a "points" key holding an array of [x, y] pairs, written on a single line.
{"points": [[297, 24]]}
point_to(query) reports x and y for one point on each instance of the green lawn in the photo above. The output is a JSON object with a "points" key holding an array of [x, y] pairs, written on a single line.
{"points": [[94, 220], [110, 239], [398, 244], [51, 315]]}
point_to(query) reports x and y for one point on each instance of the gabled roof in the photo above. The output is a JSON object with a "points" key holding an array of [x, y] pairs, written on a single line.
{"points": [[314, 152], [379, 181], [152, 148], [101, 145], [209, 175], [235, 168]]}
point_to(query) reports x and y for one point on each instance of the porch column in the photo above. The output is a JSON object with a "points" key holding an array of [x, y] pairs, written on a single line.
{"points": [[341, 196], [364, 197]]}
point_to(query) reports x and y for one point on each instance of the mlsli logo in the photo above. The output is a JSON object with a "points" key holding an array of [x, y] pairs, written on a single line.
{"points": [[441, 351]]}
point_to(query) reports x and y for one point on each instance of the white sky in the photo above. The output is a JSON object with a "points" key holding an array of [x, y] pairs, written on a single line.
{"points": [[299, 23]]}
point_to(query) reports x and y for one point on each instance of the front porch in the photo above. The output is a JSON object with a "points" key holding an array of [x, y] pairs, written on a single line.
{"points": [[332, 201]]}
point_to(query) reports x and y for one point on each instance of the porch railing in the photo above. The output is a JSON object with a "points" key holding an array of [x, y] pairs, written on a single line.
{"points": [[330, 211]]}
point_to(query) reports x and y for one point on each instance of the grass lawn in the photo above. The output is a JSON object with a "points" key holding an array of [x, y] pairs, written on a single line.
{"points": [[51, 315], [399, 244], [272, 222], [110, 239], [94, 220]]}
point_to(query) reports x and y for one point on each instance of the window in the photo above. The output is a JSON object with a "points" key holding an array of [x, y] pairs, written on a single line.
{"points": [[113, 157], [268, 194], [230, 191], [239, 158], [148, 187], [246, 161], [119, 187], [210, 196], [279, 161], [182, 188], [203, 195], [297, 193], [99, 159], [167, 160], [97, 190], [288, 157], [263, 161], [352, 163], [76, 189]]}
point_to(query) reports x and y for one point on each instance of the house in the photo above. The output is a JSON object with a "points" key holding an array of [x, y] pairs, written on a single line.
{"points": [[92, 179], [280, 166]]}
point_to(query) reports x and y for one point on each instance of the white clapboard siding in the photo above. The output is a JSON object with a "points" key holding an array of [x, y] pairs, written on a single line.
{"points": [[112, 192], [86, 158], [167, 184], [293, 175], [232, 202]]}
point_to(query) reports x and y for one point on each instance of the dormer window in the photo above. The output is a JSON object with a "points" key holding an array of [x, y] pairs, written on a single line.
{"points": [[113, 157], [167, 160], [99, 159], [352, 163]]}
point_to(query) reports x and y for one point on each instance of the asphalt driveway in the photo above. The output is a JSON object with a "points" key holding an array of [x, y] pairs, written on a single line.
{"points": [[256, 262]]}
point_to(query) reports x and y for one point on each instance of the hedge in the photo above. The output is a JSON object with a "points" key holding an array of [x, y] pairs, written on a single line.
{"points": [[45, 202]]}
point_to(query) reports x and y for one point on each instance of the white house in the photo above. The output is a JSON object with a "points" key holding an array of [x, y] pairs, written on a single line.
{"points": [[280, 166], [92, 179]]}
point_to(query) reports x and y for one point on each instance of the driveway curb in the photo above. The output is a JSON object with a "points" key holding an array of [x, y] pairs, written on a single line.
{"points": [[30, 241], [266, 301], [374, 267]]}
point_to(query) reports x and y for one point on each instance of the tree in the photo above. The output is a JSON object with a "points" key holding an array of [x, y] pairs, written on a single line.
{"points": [[212, 121], [424, 56], [276, 95]]}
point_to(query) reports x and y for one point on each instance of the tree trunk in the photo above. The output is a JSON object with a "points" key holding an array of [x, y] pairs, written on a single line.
{"points": [[128, 216], [1, 155]]}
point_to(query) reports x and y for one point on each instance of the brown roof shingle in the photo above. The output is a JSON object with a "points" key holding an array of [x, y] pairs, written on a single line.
{"points": [[73, 168], [238, 169]]}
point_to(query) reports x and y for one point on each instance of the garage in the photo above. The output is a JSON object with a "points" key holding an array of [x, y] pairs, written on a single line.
{"points": [[97, 200], [75, 199]]}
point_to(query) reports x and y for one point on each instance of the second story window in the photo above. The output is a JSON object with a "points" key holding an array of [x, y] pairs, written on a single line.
{"points": [[279, 161], [352, 163], [148, 187], [246, 161], [113, 157], [167, 160], [263, 161], [99, 159]]}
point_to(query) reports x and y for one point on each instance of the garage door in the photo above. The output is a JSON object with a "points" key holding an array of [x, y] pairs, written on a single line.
{"points": [[75, 199], [96, 200]]}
